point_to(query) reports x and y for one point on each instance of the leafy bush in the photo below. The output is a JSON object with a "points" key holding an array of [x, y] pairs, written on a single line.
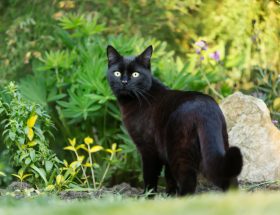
{"points": [[268, 89], [26, 127]]}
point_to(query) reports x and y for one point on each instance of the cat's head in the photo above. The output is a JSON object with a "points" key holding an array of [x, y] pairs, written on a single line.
{"points": [[129, 76]]}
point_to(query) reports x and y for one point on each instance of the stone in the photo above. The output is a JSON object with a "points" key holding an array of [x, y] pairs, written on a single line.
{"points": [[251, 129], [16, 185]]}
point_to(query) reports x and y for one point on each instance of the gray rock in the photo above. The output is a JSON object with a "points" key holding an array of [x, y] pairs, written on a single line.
{"points": [[250, 128]]}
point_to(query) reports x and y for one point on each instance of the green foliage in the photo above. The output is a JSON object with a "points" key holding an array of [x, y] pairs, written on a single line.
{"points": [[26, 128], [5, 168], [26, 33], [268, 89]]}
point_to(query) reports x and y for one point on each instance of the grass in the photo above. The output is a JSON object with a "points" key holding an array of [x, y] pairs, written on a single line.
{"points": [[210, 203]]}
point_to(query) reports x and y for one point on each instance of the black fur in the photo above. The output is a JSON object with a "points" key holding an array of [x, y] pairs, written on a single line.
{"points": [[175, 129]]}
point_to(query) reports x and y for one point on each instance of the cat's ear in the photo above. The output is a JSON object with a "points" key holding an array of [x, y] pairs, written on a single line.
{"points": [[113, 55], [145, 57]]}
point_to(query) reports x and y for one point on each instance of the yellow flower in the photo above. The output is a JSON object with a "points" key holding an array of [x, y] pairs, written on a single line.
{"points": [[30, 134], [88, 140], [72, 142], [31, 121]]}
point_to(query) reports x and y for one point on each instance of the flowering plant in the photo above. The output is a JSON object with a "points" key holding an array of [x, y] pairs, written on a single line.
{"points": [[82, 170], [26, 128]]}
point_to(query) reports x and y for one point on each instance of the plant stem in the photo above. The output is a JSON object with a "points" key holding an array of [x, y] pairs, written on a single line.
{"points": [[104, 122], [106, 171], [91, 167], [84, 173], [58, 80], [211, 88]]}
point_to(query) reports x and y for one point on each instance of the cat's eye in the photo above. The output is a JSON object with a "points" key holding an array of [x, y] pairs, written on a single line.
{"points": [[117, 74], [135, 74]]}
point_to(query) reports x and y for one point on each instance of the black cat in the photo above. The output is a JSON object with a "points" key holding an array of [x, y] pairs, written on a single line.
{"points": [[179, 130]]}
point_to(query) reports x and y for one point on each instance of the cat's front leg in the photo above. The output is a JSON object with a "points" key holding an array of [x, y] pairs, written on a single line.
{"points": [[151, 170]]}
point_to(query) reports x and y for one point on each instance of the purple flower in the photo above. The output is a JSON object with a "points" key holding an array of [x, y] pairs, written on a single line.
{"points": [[201, 58], [197, 51], [202, 44], [215, 56], [274, 121], [259, 95]]}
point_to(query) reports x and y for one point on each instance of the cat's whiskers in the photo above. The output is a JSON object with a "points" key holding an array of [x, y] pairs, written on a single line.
{"points": [[138, 97], [141, 93], [146, 93]]}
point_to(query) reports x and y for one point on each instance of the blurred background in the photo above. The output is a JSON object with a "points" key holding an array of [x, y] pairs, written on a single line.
{"points": [[54, 51]]}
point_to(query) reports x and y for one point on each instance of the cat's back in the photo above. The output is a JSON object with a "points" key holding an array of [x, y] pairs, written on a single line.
{"points": [[175, 102], [172, 99]]}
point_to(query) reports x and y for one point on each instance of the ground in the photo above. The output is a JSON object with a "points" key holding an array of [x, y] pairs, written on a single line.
{"points": [[251, 198], [207, 203]]}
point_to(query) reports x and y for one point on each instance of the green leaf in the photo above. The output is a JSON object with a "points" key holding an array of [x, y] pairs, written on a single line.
{"points": [[48, 166], [41, 172], [34, 88], [12, 135], [70, 148], [50, 187], [27, 161], [25, 176], [56, 97], [2, 174], [95, 149], [32, 155], [17, 176]]}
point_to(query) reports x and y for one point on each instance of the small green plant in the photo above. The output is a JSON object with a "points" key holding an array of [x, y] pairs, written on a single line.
{"points": [[87, 161], [21, 175], [112, 153]]}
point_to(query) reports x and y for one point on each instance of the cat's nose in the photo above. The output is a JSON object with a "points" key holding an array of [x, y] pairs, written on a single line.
{"points": [[124, 82]]}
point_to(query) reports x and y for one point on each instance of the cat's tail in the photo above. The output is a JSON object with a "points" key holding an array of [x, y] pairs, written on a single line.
{"points": [[220, 165], [232, 162]]}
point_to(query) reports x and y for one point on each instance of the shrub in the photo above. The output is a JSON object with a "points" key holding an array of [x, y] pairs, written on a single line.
{"points": [[26, 128]]}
